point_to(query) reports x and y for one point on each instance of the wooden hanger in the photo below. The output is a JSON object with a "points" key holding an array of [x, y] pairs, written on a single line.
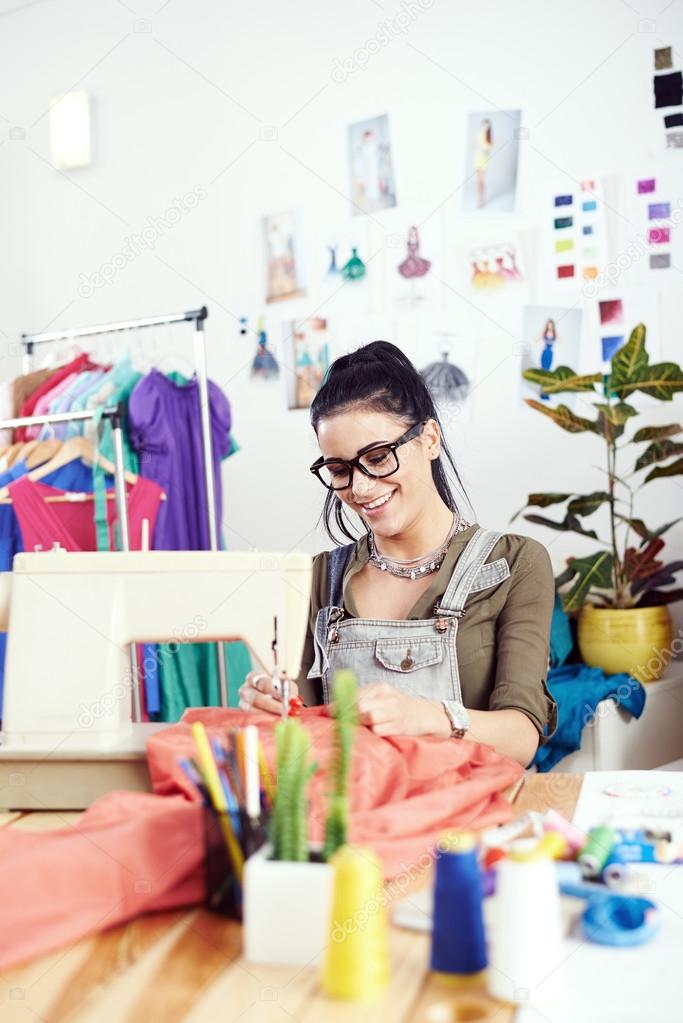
{"points": [[44, 450], [78, 447], [69, 451]]}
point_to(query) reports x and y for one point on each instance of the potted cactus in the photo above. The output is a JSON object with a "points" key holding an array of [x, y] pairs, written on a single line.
{"points": [[621, 592], [288, 883]]}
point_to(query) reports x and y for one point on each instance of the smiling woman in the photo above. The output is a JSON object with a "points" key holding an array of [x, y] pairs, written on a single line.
{"points": [[446, 624]]}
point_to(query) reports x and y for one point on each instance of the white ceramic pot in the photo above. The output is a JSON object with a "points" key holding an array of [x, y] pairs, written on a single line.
{"points": [[286, 910]]}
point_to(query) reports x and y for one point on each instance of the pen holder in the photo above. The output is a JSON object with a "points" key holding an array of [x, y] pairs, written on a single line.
{"points": [[286, 909], [223, 893]]}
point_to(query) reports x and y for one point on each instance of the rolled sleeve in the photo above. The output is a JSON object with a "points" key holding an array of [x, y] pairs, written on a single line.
{"points": [[523, 641]]}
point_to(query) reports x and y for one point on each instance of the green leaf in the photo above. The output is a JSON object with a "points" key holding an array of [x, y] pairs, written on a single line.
{"points": [[541, 501], [674, 469], [657, 452], [564, 577], [594, 572], [564, 417], [656, 432], [630, 361], [561, 379], [617, 414], [660, 381], [570, 523], [586, 504]]}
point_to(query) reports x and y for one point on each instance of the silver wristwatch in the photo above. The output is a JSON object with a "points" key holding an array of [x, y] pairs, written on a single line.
{"points": [[458, 717]]}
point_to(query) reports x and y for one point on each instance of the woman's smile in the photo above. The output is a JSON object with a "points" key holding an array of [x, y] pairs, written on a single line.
{"points": [[373, 509]]}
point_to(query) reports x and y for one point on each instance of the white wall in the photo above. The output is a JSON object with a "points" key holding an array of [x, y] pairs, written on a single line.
{"points": [[181, 96]]}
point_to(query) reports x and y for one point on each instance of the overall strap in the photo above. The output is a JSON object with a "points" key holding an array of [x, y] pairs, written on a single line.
{"points": [[337, 560], [465, 572]]}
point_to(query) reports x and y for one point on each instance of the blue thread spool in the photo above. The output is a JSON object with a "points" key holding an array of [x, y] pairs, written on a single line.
{"points": [[458, 938]]}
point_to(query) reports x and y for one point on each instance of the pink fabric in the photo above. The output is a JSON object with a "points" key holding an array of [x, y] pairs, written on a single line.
{"points": [[72, 523], [43, 404], [133, 853], [77, 365]]}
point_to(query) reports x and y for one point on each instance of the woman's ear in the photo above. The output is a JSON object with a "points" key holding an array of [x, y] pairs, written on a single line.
{"points": [[432, 439]]}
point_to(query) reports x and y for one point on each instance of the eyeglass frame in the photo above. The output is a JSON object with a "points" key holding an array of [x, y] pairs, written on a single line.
{"points": [[354, 463]]}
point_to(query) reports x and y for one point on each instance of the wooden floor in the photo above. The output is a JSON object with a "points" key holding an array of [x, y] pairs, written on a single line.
{"points": [[188, 965]]}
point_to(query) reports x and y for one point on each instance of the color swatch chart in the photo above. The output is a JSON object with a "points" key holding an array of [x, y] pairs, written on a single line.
{"points": [[579, 232], [668, 94], [657, 233]]}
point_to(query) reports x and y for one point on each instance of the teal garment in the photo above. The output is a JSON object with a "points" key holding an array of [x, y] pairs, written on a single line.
{"points": [[188, 676]]}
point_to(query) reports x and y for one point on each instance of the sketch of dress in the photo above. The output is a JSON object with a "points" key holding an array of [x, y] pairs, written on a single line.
{"points": [[414, 265]]}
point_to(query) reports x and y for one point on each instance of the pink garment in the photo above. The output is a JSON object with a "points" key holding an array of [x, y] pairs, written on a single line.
{"points": [[72, 523], [43, 404], [134, 853]]}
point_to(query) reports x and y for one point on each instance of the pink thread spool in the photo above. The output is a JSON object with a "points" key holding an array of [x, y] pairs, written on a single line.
{"points": [[554, 821]]}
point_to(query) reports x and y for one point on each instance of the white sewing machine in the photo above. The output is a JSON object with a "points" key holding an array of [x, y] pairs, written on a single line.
{"points": [[68, 734]]}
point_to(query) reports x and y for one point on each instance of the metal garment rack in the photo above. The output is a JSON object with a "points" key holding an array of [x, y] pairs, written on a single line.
{"points": [[196, 317]]}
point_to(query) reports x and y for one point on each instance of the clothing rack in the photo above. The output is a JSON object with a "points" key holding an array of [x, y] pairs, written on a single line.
{"points": [[115, 414], [196, 317]]}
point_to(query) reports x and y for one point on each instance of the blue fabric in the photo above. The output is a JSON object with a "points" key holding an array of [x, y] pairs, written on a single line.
{"points": [[561, 642], [578, 690]]}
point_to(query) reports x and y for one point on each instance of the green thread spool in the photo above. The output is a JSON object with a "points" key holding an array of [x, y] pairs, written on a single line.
{"points": [[597, 849]]}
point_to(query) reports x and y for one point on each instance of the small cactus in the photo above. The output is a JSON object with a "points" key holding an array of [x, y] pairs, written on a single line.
{"points": [[346, 719], [289, 823]]}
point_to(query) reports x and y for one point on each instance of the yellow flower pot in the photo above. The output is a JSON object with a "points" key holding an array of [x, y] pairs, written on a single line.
{"points": [[636, 640]]}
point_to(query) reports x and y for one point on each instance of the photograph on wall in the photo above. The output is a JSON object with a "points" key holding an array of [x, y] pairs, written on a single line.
{"points": [[306, 359], [551, 337], [283, 254], [491, 161], [371, 166]]}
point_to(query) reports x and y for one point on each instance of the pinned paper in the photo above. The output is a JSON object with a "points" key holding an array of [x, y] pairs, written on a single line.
{"points": [[660, 261], [646, 185], [658, 210]]}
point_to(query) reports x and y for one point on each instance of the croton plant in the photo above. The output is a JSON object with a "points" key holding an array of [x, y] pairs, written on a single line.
{"points": [[629, 569]]}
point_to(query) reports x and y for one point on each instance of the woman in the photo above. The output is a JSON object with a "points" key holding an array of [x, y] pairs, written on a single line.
{"points": [[446, 625], [549, 338], [482, 155]]}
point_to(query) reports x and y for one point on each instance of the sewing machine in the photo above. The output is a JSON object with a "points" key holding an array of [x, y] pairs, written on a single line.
{"points": [[68, 734]]}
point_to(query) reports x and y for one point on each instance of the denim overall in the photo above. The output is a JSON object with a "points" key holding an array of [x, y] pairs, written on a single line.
{"points": [[417, 657]]}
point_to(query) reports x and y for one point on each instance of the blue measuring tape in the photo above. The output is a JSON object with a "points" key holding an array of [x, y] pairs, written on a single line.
{"points": [[610, 918], [620, 920]]}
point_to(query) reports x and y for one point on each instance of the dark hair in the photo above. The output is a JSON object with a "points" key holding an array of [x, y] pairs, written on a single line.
{"points": [[379, 378]]}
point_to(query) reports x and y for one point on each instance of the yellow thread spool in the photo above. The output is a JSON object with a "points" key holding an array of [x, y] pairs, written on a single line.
{"points": [[357, 960]]}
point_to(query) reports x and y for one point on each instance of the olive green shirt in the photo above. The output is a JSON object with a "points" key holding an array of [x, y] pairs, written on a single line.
{"points": [[502, 641]]}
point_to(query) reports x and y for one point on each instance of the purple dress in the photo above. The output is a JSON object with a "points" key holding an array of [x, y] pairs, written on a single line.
{"points": [[165, 430]]}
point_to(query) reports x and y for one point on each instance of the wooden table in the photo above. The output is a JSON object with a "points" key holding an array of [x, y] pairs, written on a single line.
{"points": [[187, 965]]}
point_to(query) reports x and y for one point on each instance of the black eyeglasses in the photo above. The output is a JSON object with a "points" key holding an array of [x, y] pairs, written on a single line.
{"points": [[375, 461]]}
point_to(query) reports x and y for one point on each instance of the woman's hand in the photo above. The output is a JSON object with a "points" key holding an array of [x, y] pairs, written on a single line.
{"points": [[389, 712], [258, 693]]}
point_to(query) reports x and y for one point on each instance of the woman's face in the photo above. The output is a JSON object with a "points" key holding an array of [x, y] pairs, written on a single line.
{"points": [[401, 496]]}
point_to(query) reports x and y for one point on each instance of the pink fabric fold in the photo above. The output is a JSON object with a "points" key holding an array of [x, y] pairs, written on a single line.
{"points": [[134, 853]]}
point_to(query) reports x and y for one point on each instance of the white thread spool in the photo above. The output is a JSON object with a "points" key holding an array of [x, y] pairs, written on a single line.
{"points": [[525, 943]]}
